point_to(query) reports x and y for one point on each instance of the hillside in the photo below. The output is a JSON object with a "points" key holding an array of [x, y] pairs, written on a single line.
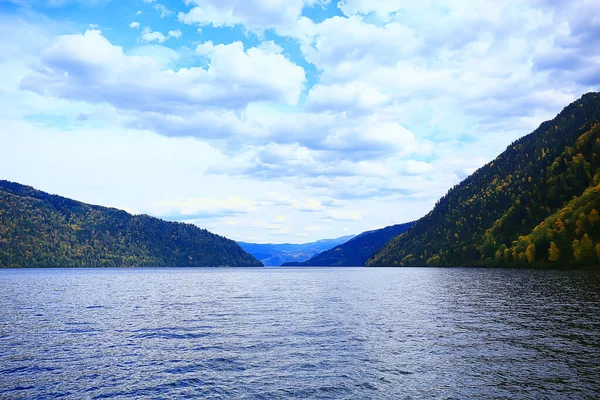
{"points": [[38, 229], [535, 205], [357, 251], [277, 254]]}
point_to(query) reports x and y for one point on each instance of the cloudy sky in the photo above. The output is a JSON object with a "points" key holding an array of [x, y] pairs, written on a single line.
{"points": [[280, 120]]}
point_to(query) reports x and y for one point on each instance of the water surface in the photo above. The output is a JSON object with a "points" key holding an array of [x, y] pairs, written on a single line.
{"points": [[289, 333]]}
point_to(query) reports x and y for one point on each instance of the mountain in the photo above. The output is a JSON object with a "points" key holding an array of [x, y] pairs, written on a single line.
{"points": [[277, 254], [535, 205], [38, 229], [357, 251]]}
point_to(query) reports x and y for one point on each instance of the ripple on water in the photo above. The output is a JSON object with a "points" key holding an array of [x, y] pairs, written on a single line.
{"points": [[292, 333]]}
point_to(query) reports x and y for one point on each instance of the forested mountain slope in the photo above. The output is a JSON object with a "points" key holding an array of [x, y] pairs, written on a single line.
{"points": [[277, 254], [38, 229], [357, 251], [535, 205]]}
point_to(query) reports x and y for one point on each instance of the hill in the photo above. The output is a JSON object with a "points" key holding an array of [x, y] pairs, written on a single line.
{"points": [[277, 254], [535, 205], [38, 229], [357, 251]]}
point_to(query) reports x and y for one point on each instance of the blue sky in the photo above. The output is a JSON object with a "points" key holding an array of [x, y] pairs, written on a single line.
{"points": [[280, 120]]}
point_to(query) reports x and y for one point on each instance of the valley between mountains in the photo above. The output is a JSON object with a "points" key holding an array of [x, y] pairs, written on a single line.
{"points": [[536, 205]]}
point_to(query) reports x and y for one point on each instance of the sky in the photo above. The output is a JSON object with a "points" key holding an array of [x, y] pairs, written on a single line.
{"points": [[280, 120]]}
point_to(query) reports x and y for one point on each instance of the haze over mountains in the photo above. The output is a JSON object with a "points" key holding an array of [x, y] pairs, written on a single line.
{"points": [[276, 254], [356, 251]]}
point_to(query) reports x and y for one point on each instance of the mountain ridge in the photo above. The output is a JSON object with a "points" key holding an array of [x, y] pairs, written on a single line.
{"points": [[480, 221], [38, 229], [357, 250], [274, 254]]}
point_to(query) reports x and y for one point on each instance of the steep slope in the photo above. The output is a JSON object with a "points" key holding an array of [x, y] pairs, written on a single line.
{"points": [[481, 220], [38, 229], [357, 251], [566, 238], [277, 254]]}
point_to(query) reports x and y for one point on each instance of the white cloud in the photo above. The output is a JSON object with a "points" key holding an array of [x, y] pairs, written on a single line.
{"points": [[134, 25], [381, 7], [28, 37], [273, 229], [414, 167], [150, 36], [350, 97], [164, 11], [448, 75], [271, 47], [345, 215], [256, 65], [165, 57], [310, 205], [88, 67], [407, 103], [377, 139], [339, 42], [184, 209], [272, 198], [175, 34], [256, 15]]}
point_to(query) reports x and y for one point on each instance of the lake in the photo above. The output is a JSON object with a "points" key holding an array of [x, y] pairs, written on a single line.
{"points": [[288, 333]]}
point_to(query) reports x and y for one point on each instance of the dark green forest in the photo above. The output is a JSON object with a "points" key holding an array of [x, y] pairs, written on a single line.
{"points": [[356, 251], [38, 229], [535, 205]]}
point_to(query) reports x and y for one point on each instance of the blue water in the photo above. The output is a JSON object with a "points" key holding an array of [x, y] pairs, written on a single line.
{"points": [[346, 333]]}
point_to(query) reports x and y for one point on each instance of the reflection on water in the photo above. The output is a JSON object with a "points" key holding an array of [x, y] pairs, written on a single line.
{"points": [[299, 333]]}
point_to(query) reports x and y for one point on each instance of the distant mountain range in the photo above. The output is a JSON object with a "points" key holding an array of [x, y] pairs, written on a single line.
{"points": [[277, 254], [356, 251], [536, 205], [38, 229]]}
